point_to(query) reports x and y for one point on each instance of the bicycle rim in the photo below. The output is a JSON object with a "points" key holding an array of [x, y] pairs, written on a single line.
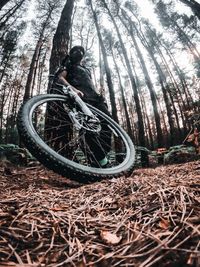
{"points": [[44, 123]]}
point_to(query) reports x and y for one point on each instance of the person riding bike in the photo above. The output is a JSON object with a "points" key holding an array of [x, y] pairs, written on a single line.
{"points": [[74, 74]]}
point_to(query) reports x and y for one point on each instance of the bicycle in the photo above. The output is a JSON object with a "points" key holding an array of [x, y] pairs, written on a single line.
{"points": [[55, 129]]}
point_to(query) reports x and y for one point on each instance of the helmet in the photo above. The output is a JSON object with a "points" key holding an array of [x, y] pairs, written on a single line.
{"points": [[76, 48], [76, 54]]}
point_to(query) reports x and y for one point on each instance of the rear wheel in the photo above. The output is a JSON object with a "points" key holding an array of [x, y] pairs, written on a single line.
{"points": [[46, 129]]}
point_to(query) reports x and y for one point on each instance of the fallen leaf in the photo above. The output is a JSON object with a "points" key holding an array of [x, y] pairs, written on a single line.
{"points": [[110, 238], [164, 224]]}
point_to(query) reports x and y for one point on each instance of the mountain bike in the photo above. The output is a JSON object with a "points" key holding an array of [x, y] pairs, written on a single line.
{"points": [[57, 130]]}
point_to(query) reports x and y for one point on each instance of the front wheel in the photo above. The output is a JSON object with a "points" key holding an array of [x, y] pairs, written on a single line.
{"points": [[48, 132]]}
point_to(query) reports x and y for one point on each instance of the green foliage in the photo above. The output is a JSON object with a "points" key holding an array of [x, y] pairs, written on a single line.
{"points": [[15, 154], [178, 154]]}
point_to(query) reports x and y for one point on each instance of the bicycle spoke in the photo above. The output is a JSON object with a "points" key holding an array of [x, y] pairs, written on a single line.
{"points": [[65, 139], [54, 139], [55, 127]]}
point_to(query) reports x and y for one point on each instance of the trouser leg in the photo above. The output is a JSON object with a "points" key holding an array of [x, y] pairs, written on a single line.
{"points": [[96, 150], [105, 134], [99, 144]]}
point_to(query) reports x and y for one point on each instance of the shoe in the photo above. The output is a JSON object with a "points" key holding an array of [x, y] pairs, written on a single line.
{"points": [[107, 165]]}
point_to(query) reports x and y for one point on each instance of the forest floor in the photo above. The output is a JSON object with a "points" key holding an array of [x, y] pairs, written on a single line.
{"points": [[151, 218]]}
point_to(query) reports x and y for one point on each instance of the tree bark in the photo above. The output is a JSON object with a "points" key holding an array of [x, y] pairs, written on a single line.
{"points": [[29, 81], [184, 38], [35, 58], [107, 68], [163, 83], [133, 83], [129, 130], [61, 37], [162, 80], [176, 95], [41, 70], [148, 83], [10, 13], [3, 3], [194, 5]]}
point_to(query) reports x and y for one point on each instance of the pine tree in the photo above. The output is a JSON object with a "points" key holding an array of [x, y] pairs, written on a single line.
{"points": [[194, 5], [133, 83], [3, 3], [61, 37], [106, 64], [43, 30]]}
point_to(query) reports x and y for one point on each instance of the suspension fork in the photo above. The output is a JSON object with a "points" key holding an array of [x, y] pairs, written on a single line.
{"points": [[73, 95], [84, 108]]}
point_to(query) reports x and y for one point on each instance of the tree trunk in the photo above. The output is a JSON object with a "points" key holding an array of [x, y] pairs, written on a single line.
{"points": [[194, 5], [162, 80], [107, 68], [101, 74], [188, 96], [165, 131], [133, 83], [2, 108], [36, 70], [148, 83], [7, 115], [123, 96], [71, 28], [181, 33], [10, 13], [29, 81], [6, 64], [35, 58], [61, 37], [41, 71], [3, 3], [176, 96]]}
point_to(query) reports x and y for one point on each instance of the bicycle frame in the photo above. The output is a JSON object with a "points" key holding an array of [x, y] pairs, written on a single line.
{"points": [[91, 119]]}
